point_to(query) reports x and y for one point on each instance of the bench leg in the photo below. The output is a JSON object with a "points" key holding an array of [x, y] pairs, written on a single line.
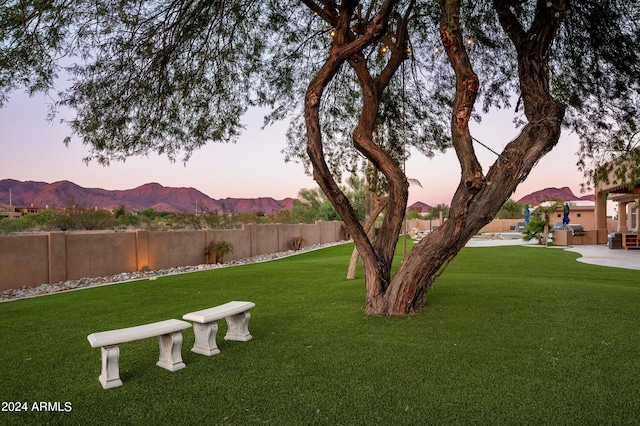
{"points": [[205, 343], [171, 351], [110, 377], [238, 327]]}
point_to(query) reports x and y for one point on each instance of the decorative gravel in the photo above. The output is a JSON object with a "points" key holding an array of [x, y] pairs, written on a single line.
{"points": [[44, 289]]}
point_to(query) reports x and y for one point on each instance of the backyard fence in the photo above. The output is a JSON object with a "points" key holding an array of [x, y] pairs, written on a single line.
{"points": [[31, 260], [496, 225], [48, 258]]}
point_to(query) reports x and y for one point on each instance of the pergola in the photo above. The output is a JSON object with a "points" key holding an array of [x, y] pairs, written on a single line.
{"points": [[625, 194]]}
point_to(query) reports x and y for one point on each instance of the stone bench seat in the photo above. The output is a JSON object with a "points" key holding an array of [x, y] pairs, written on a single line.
{"points": [[205, 325], [169, 335]]}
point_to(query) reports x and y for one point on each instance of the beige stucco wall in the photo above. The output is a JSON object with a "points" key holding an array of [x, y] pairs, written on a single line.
{"points": [[23, 259], [50, 258], [265, 238], [311, 233], [176, 248], [502, 225], [100, 254], [57, 257], [239, 238], [496, 225], [565, 238], [577, 215], [331, 231], [286, 233], [422, 224]]}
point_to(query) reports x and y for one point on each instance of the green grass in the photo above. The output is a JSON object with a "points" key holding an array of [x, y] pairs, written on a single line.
{"points": [[510, 335]]}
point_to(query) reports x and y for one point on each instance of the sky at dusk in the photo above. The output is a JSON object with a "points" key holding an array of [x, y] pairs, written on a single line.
{"points": [[31, 148]]}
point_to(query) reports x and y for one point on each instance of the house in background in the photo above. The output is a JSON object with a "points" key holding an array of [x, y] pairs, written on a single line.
{"points": [[581, 212], [10, 211], [626, 196], [627, 209]]}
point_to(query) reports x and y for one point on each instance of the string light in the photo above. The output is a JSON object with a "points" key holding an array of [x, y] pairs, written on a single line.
{"points": [[384, 49], [469, 41], [437, 49], [332, 33]]}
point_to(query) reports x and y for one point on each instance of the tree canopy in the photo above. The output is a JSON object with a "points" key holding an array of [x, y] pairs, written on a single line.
{"points": [[361, 82], [170, 76], [511, 210]]}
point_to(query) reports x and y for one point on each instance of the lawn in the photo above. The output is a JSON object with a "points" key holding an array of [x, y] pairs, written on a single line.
{"points": [[510, 335]]}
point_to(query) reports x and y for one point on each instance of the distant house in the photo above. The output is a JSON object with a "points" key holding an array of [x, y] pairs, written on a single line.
{"points": [[16, 211], [581, 212], [30, 209], [9, 211], [626, 196]]}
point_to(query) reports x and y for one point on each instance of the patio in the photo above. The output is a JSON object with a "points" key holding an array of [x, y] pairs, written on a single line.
{"points": [[592, 254]]}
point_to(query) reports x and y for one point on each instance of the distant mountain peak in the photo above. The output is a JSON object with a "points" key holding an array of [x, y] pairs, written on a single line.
{"points": [[564, 194], [420, 207], [150, 195]]}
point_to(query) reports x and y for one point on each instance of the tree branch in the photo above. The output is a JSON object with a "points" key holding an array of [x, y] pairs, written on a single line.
{"points": [[465, 97]]}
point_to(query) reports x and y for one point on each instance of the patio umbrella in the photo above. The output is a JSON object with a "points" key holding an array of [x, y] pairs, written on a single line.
{"points": [[565, 218]]}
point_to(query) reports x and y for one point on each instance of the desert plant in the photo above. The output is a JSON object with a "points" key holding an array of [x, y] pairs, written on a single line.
{"points": [[91, 219], [296, 243], [216, 251], [62, 220], [538, 226], [210, 253]]}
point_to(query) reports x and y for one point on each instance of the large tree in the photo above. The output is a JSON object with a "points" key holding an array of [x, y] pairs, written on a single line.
{"points": [[367, 79]]}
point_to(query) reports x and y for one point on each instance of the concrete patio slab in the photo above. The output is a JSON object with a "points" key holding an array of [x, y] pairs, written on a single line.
{"points": [[604, 256], [592, 254]]}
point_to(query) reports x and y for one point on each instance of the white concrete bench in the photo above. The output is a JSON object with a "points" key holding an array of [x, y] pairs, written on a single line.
{"points": [[169, 334], [205, 325]]}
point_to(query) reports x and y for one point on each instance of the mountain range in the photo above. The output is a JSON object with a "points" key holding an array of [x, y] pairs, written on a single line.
{"points": [[177, 200], [150, 195], [565, 194]]}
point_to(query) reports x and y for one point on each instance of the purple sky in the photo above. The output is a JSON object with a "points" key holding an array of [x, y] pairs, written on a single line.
{"points": [[31, 148]]}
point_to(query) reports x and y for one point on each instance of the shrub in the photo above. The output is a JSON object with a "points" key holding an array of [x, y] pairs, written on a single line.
{"points": [[216, 251], [296, 243]]}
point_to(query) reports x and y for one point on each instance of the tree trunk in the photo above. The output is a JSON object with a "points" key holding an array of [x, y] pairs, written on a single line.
{"points": [[478, 198], [353, 264], [347, 48], [368, 226]]}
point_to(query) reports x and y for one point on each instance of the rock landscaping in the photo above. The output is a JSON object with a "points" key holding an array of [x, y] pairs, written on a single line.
{"points": [[44, 289]]}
